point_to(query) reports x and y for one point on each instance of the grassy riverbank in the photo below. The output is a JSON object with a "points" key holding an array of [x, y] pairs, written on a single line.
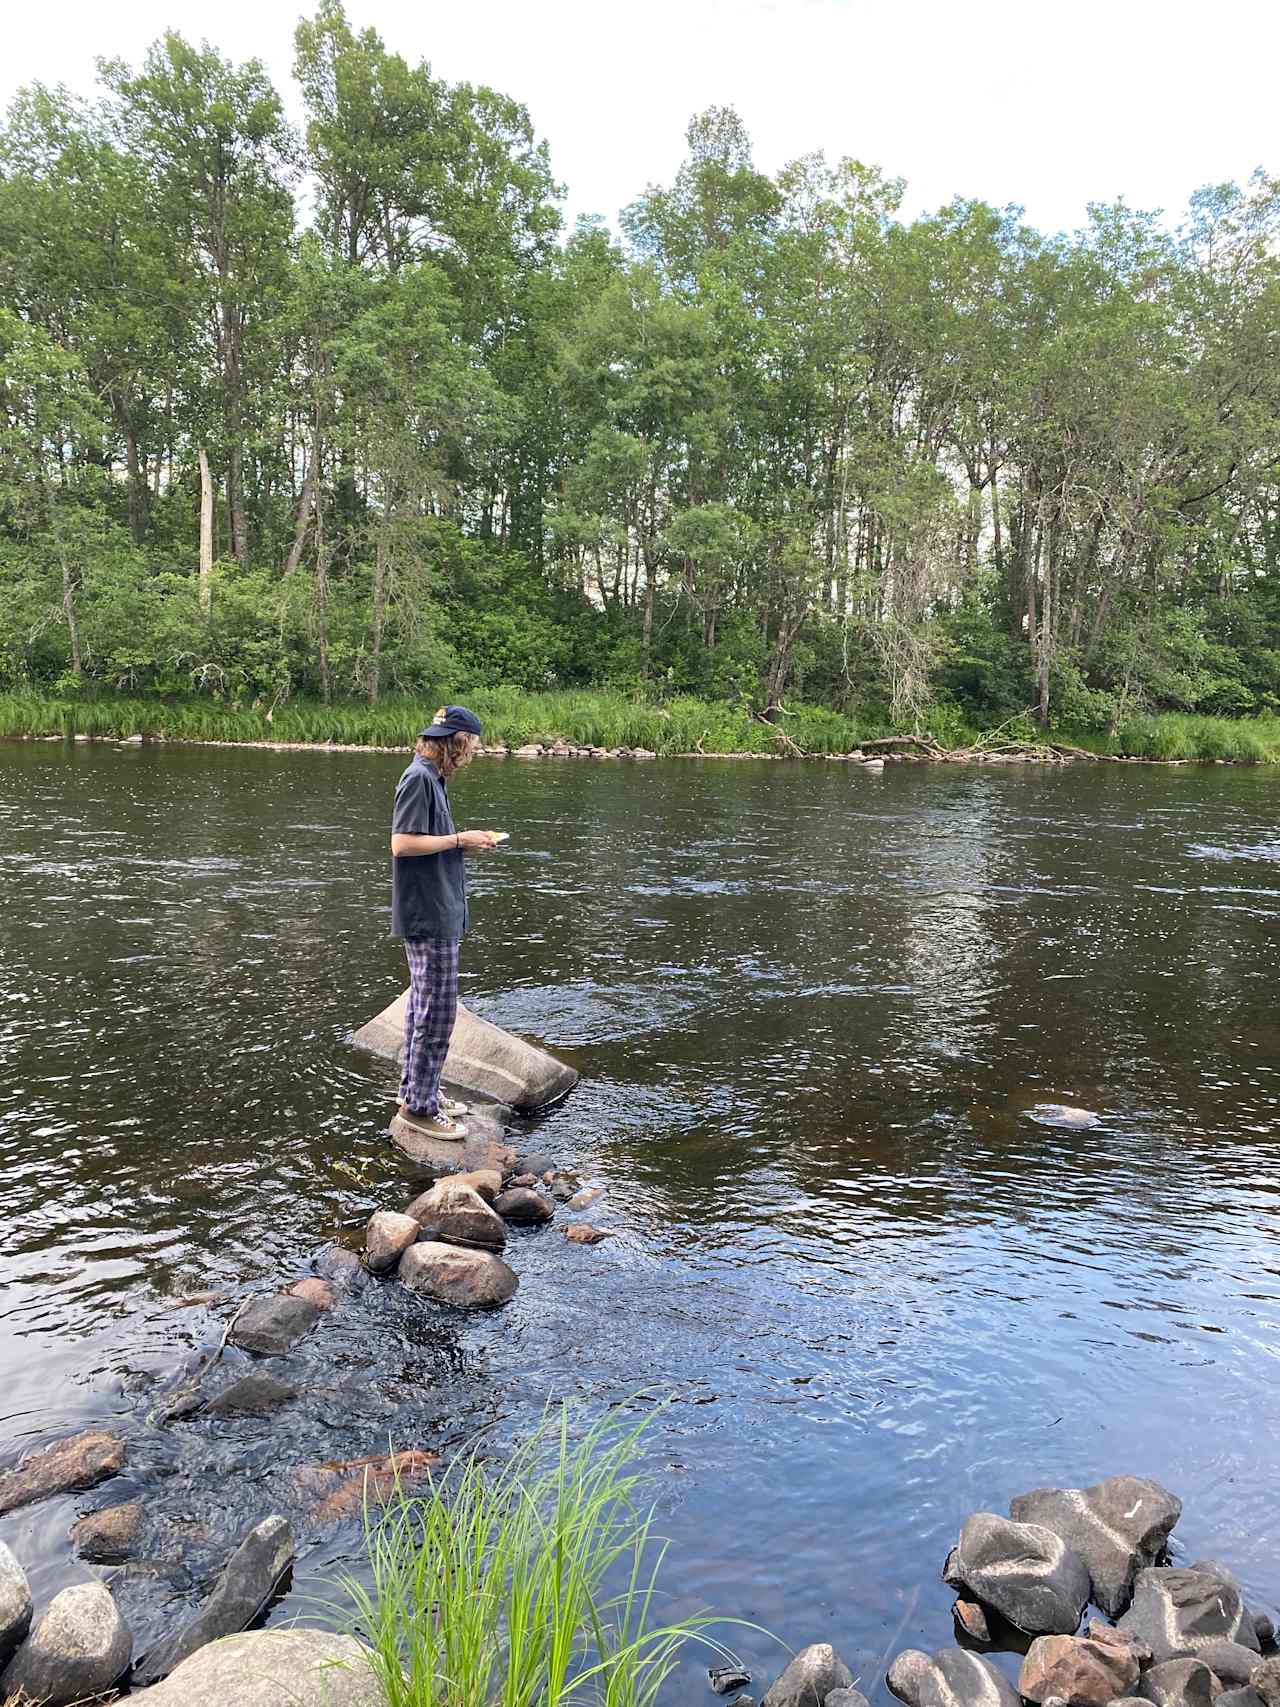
{"points": [[601, 719]]}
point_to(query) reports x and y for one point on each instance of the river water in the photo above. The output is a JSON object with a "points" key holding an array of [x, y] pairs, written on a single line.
{"points": [[815, 1012]]}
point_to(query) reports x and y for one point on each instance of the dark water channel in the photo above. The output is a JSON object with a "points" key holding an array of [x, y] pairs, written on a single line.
{"points": [[814, 1011]]}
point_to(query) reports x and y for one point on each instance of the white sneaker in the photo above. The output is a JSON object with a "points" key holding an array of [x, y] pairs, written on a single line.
{"points": [[454, 1110]]}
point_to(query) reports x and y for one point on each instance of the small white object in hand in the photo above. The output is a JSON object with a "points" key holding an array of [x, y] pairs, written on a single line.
{"points": [[502, 835]]}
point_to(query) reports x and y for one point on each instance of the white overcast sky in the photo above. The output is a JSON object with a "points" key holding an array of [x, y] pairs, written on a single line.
{"points": [[1046, 104]]}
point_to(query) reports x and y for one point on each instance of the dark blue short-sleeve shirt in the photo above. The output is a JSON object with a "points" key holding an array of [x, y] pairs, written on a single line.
{"points": [[428, 891]]}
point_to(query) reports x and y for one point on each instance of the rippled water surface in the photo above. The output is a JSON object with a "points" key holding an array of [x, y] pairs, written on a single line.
{"points": [[817, 1014]]}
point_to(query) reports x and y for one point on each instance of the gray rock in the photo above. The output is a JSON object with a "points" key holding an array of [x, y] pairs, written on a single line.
{"points": [[472, 1279], [521, 1205], [1180, 1611], [273, 1322], [535, 1162], [1239, 1698], [1180, 1683], [1264, 1629], [954, 1677], [109, 1536], [812, 1675], [1026, 1572], [724, 1679], [1100, 1632], [1077, 1671], [252, 1394], [15, 1604], [459, 1215], [1118, 1527], [82, 1461], [272, 1668], [1264, 1680], [341, 1267], [79, 1648], [846, 1698], [387, 1237], [249, 1581], [1230, 1662]]}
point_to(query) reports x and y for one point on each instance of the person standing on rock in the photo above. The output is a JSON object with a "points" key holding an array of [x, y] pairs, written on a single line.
{"points": [[429, 911]]}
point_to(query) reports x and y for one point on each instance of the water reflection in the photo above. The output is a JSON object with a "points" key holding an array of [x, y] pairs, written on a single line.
{"points": [[815, 1013]]}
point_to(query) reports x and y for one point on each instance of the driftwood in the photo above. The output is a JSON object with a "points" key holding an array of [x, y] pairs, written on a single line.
{"points": [[988, 746]]}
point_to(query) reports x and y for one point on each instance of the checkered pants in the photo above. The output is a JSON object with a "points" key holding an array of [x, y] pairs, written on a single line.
{"points": [[428, 1020]]}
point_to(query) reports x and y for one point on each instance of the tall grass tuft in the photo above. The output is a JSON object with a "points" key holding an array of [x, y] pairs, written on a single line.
{"points": [[531, 1582]]}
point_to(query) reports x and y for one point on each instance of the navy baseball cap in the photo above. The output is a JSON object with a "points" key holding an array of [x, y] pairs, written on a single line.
{"points": [[451, 720]]}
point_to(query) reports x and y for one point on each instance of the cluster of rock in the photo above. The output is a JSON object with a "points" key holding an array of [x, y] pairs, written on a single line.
{"points": [[1181, 1636], [816, 1677]]}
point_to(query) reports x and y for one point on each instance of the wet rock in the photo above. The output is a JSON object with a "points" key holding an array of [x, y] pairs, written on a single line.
{"points": [[109, 1536], [536, 1163], [1180, 1683], [458, 1215], [249, 1581], [527, 1208], [315, 1291], [724, 1679], [15, 1604], [272, 1668], [1097, 1631], [1026, 1572], [563, 1186], [1178, 1611], [272, 1323], [1264, 1629], [472, 1279], [252, 1395], [810, 1678], [1264, 1680], [581, 1233], [82, 1461], [387, 1238], [1080, 1671], [527, 1182], [194, 1298], [971, 1621], [487, 1181], [583, 1199], [1118, 1527], [952, 1678], [79, 1649], [341, 1267], [1230, 1662], [346, 1488]]}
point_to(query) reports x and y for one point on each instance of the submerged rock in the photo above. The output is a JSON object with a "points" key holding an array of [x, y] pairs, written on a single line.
{"points": [[582, 1233], [347, 1487], [252, 1394], [528, 1208], [584, 1198], [273, 1322], [1077, 1670], [272, 1668], [82, 1461], [1026, 1572], [315, 1291], [387, 1238], [1118, 1527], [341, 1267], [79, 1649], [249, 1581], [1179, 1611], [459, 1215], [109, 1536], [814, 1673], [472, 1279], [954, 1677], [15, 1604]]}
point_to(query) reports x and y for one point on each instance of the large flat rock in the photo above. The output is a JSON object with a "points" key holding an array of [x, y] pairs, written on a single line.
{"points": [[271, 1668], [482, 1058]]}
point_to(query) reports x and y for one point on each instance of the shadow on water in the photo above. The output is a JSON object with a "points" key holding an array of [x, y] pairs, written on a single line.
{"points": [[816, 1013]]}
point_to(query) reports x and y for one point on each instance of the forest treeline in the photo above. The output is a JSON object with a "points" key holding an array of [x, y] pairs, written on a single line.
{"points": [[348, 414]]}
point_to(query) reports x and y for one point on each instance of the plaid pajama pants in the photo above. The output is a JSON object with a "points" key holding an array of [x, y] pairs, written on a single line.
{"points": [[428, 1020]]}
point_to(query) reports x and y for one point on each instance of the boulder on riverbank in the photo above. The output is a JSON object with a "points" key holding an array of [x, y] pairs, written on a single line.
{"points": [[1077, 1670], [81, 1461], [474, 1280], [387, 1237], [1178, 1611], [523, 1205], [813, 1674], [1026, 1572], [251, 1578], [79, 1649], [272, 1668], [458, 1215], [953, 1677], [15, 1604], [1118, 1527]]}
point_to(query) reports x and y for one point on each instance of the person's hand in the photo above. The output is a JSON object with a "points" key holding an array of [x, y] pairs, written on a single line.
{"points": [[477, 841]]}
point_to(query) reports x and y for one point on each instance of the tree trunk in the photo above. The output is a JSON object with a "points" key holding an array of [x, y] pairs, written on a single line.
{"points": [[206, 532], [139, 506], [304, 518], [380, 577]]}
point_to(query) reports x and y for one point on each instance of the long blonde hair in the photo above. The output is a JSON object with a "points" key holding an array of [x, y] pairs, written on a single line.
{"points": [[451, 753]]}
